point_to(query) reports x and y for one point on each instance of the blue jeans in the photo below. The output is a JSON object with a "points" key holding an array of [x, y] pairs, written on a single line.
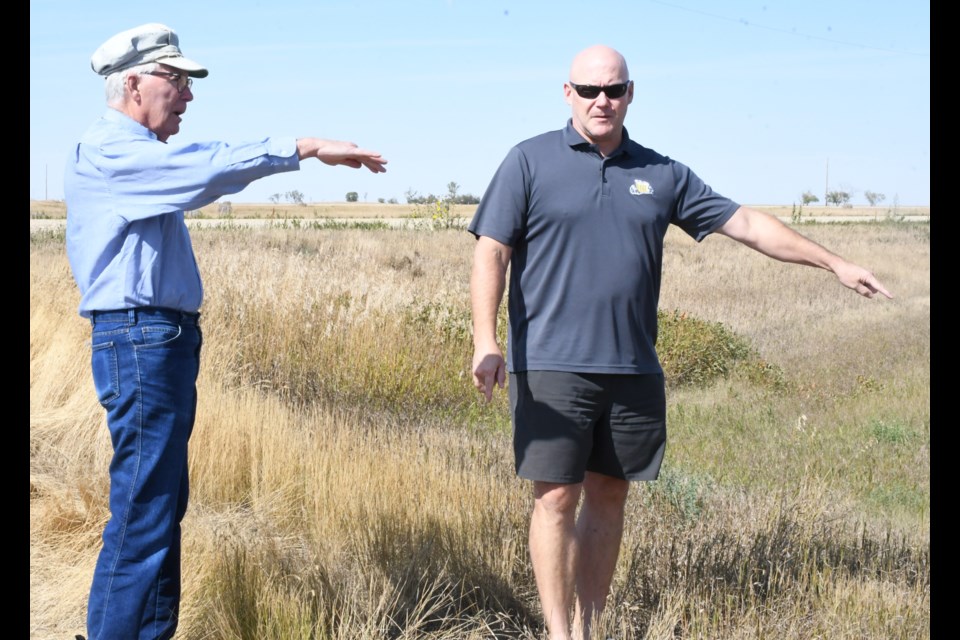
{"points": [[145, 364]]}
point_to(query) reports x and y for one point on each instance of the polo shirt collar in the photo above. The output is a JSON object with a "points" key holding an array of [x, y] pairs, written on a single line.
{"points": [[573, 138]]}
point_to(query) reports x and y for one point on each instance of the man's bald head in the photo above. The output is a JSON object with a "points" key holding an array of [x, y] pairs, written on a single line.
{"points": [[598, 60]]}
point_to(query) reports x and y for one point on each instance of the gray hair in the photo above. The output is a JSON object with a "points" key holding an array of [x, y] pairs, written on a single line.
{"points": [[115, 82]]}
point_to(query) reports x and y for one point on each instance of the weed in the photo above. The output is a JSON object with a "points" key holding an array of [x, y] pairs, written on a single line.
{"points": [[894, 432]]}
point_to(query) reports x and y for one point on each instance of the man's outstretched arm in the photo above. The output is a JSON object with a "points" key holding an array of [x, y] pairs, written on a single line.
{"points": [[764, 233]]}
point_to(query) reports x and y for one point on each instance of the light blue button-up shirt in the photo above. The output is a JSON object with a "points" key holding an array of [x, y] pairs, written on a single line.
{"points": [[126, 192]]}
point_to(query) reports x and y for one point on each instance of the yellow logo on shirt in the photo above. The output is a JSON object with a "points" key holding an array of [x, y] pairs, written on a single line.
{"points": [[641, 188]]}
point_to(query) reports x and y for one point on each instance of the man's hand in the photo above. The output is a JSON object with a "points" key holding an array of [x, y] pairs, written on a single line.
{"points": [[860, 280], [488, 368], [336, 152]]}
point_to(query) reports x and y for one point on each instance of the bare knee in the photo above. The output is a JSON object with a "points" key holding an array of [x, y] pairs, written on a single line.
{"points": [[605, 492], [558, 499]]}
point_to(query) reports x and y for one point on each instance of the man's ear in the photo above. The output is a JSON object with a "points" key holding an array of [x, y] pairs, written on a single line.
{"points": [[131, 86]]}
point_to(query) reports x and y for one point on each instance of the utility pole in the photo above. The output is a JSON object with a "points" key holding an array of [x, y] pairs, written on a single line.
{"points": [[45, 182]]}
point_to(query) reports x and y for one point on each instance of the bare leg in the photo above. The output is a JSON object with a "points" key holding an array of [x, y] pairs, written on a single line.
{"points": [[599, 532], [553, 552]]}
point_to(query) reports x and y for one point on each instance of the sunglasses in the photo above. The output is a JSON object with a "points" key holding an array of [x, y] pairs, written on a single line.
{"points": [[590, 91]]}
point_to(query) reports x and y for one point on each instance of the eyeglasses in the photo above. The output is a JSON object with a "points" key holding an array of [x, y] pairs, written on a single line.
{"points": [[181, 80], [590, 91]]}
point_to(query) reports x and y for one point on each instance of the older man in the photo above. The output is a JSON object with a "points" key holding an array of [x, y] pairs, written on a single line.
{"points": [[127, 187], [579, 215]]}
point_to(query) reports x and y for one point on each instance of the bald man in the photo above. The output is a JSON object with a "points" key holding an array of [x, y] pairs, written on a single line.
{"points": [[579, 215]]}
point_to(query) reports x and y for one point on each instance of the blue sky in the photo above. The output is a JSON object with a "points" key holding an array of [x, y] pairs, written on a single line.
{"points": [[763, 100]]}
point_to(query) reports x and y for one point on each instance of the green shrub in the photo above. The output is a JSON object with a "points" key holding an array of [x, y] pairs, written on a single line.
{"points": [[697, 352]]}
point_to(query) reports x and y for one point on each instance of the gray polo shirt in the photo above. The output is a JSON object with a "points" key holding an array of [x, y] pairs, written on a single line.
{"points": [[587, 239]]}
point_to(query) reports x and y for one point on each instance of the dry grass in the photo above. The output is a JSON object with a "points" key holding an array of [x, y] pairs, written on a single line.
{"points": [[56, 209], [348, 484]]}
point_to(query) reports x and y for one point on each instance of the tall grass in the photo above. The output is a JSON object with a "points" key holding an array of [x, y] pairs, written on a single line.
{"points": [[347, 482]]}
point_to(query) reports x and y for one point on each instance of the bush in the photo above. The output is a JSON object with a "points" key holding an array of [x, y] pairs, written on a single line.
{"points": [[696, 352]]}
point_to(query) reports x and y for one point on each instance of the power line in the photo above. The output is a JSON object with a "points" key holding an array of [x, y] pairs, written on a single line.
{"points": [[791, 32]]}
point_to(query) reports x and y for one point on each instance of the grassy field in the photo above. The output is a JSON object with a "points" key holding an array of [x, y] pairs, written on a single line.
{"points": [[347, 482], [55, 209]]}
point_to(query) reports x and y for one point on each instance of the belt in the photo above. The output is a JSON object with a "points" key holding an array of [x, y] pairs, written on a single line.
{"points": [[136, 314]]}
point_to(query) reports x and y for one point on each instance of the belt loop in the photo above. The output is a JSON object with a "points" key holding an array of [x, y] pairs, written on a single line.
{"points": [[132, 316]]}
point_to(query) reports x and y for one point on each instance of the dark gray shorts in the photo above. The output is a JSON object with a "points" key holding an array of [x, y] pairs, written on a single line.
{"points": [[565, 424]]}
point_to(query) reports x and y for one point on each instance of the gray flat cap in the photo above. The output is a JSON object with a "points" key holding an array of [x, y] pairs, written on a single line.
{"points": [[152, 42]]}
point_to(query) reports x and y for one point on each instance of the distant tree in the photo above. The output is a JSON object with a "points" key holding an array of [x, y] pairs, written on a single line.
{"points": [[295, 196], [453, 196], [807, 197], [392, 201], [381, 200], [352, 196], [275, 198], [837, 198], [874, 198]]}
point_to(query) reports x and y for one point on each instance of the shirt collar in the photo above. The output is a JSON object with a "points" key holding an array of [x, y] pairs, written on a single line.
{"points": [[121, 119], [573, 138]]}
